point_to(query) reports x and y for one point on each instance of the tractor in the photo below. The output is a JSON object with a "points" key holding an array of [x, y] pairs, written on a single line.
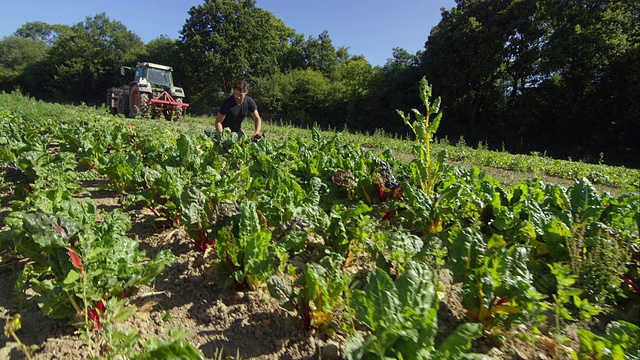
{"points": [[151, 93]]}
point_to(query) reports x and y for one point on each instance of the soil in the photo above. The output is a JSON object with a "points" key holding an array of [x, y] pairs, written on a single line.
{"points": [[216, 317]]}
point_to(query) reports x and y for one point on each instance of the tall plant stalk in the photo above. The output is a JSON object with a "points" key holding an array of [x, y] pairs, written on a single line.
{"points": [[424, 129]]}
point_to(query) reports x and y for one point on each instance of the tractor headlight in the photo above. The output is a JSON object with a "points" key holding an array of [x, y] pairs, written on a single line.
{"points": [[177, 92], [144, 84]]}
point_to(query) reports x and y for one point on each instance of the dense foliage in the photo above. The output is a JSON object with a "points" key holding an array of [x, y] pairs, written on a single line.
{"points": [[546, 76], [560, 77]]}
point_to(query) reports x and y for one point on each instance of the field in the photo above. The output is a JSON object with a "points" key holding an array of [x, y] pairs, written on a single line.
{"points": [[141, 239]]}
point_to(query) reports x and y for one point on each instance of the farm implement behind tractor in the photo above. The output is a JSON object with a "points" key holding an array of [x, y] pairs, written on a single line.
{"points": [[151, 93]]}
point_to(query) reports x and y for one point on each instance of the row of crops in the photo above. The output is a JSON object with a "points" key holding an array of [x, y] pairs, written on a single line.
{"points": [[373, 233]]}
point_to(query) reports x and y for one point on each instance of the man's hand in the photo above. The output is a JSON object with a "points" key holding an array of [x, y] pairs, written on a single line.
{"points": [[257, 137]]}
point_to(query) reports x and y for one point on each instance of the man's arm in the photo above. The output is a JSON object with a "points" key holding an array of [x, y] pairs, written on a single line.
{"points": [[257, 122], [219, 121]]}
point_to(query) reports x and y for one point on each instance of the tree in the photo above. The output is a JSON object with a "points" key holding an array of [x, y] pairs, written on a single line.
{"points": [[18, 59], [524, 74], [223, 41], [38, 30], [401, 60], [463, 57], [320, 55], [342, 53], [163, 50], [357, 74], [86, 61], [592, 44], [293, 56], [302, 97]]}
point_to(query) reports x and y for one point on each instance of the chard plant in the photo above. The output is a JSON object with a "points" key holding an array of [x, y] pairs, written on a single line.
{"points": [[79, 262], [244, 248], [124, 171], [402, 319], [425, 169], [392, 250], [316, 294], [348, 229], [497, 286], [620, 341], [176, 347]]}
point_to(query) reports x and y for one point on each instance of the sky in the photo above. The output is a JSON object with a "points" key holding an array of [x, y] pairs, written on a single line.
{"points": [[367, 27]]}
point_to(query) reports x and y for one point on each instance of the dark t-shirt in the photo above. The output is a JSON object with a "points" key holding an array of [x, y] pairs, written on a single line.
{"points": [[234, 113]]}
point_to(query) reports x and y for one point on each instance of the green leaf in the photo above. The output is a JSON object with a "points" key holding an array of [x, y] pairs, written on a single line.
{"points": [[249, 221], [281, 292], [459, 342], [49, 230], [177, 349], [354, 347], [72, 277], [584, 198], [626, 335], [377, 303]]}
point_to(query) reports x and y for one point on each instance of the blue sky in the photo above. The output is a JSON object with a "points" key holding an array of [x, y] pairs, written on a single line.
{"points": [[367, 27]]}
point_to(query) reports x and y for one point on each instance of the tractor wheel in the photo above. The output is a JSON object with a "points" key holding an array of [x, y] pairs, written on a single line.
{"points": [[168, 114], [144, 104], [177, 113], [139, 102], [156, 111], [122, 105]]}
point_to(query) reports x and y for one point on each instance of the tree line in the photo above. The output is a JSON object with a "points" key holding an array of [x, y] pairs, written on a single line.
{"points": [[548, 76]]}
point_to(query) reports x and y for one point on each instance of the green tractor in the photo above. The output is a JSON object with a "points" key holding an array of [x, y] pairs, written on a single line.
{"points": [[151, 93]]}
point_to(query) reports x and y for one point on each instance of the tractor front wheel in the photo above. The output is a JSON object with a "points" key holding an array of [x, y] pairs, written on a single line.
{"points": [[177, 113], [168, 114]]}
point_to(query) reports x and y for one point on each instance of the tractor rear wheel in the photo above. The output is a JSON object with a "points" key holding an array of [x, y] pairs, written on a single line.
{"points": [[139, 102], [122, 105]]}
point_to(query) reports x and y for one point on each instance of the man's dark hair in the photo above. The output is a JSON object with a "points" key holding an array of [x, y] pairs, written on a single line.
{"points": [[241, 85]]}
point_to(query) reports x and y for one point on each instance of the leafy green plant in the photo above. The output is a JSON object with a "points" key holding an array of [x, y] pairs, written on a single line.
{"points": [[565, 294], [107, 315], [163, 194], [81, 261], [392, 250], [177, 347], [621, 341], [402, 319], [424, 168], [497, 285], [316, 294], [124, 171], [595, 235], [245, 250], [348, 228]]}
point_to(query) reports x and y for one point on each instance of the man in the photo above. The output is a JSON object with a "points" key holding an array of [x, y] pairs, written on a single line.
{"points": [[235, 108]]}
